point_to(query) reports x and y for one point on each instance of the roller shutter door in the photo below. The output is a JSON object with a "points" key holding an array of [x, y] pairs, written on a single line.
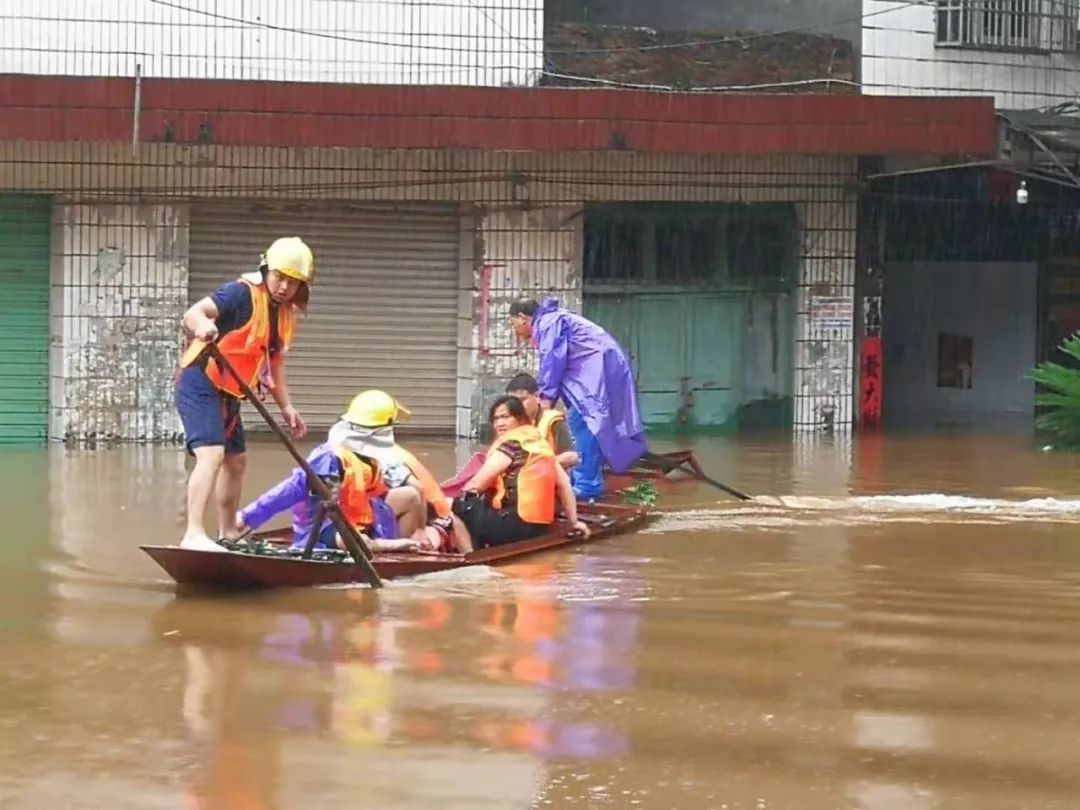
{"points": [[384, 306], [25, 230]]}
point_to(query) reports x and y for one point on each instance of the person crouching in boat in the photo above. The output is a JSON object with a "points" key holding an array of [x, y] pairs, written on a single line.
{"points": [[551, 422], [512, 496], [367, 428], [365, 502]]}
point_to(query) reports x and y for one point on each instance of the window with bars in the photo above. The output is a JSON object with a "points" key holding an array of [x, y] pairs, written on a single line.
{"points": [[1045, 26], [702, 245]]}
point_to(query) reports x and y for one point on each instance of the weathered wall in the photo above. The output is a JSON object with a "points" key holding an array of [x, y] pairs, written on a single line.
{"points": [[840, 18], [824, 359], [992, 303], [448, 42], [519, 210], [533, 252], [710, 58], [119, 287]]}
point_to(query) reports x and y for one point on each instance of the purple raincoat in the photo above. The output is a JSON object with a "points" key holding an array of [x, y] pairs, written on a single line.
{"points": [[293, 494], [582, 364]]}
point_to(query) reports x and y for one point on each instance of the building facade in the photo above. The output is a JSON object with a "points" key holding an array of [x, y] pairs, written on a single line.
{"points": [[152, 156], [972, 263]]}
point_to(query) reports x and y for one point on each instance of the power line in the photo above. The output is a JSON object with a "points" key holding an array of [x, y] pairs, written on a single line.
{"points": [[553, 51]]}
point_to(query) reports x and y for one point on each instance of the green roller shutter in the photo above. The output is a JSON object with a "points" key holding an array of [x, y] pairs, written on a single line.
{"points": [[25, 226]]}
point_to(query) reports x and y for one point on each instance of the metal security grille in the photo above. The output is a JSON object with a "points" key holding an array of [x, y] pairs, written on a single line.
{"points": [[383, 307]]}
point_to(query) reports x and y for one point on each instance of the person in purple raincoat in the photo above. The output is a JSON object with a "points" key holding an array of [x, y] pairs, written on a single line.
{"points": [[585, 367], [294, 494]]}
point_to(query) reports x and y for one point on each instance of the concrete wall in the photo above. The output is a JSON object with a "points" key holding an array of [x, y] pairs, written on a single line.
{"points": [[899, 57], [520, 210], [994, 304], [118, 290], [371, 41]]}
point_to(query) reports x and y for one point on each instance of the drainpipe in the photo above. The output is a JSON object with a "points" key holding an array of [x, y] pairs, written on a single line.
{"points": [[485, 298], [137, 112]]}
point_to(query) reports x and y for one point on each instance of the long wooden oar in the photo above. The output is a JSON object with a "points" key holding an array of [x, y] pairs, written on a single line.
{"points": [[361, 554], [694, 471]]}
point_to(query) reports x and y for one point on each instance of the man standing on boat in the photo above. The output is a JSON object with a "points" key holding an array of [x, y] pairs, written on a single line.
{"points": [[584, 366], [253, 321]]}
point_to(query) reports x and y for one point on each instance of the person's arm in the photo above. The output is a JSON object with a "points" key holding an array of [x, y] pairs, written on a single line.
{"points": [[275, 500], [494, 466], [200, 319], [224, 310], [280, 393], [286, 494], [553, 345], [568, 500], [566, 451]]}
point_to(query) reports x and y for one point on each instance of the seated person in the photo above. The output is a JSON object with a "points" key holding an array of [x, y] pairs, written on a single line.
{"points": [[367, 428], [551, 423], [365, 502], [512, 496]]}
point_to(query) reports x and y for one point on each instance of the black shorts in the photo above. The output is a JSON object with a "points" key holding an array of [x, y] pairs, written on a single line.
{"points": [[493, 527]]}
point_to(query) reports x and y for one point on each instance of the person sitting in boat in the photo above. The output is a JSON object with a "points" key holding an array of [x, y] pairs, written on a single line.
{"points": [[512, 496], [367, 428], [551, 422], [364, 499]]}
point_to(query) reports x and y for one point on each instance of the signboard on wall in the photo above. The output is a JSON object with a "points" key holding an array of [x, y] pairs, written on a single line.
{"points": [[831, 313]]}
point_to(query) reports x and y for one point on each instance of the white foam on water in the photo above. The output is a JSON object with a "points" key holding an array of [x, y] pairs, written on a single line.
{"points": [[940, 502], [779, 513]]}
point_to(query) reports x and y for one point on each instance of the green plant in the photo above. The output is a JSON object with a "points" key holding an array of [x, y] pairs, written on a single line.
{"points": [[642, 493], [1061, 397]]}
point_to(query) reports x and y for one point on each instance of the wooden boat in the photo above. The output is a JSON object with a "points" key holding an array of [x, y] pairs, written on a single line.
{"points": [[272, 565], [660, 469]]}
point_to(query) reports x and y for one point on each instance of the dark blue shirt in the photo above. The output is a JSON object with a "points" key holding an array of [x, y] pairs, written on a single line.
{"points": [[233, 302]]}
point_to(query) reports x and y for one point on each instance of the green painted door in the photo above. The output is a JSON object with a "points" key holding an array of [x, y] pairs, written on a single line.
{"points": [[686, 348], [25, 227], [715, 358], [660, 328]]}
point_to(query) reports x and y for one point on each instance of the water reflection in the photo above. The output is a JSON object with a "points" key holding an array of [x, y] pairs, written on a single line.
{"points": [[873, 656], [386, 672]]}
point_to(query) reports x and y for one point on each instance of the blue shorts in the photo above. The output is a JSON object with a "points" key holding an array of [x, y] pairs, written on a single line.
{"points": [[210, 418]]}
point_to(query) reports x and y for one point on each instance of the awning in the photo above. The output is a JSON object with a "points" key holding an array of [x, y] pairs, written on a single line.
{"points": [[284, 114]]}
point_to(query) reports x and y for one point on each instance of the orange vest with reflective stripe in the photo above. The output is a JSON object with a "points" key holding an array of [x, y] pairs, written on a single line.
{"points": [[429, 487], [359, 482], [535, 480], [546, 425], [248, 347]]}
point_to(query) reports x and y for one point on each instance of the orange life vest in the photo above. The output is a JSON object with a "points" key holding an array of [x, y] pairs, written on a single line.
{"points": [[248, 346], [546, 425], [429, 487], [360, 481], [535, 480]]}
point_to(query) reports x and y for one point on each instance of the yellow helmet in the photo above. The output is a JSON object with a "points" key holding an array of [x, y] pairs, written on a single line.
{"points": [[292, 258], [375, 409]]}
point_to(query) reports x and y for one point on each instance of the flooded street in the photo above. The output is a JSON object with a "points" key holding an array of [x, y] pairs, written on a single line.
{"points": [[899, 630]]}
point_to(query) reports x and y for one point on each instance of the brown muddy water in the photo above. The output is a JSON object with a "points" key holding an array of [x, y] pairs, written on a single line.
{"points": [[903, 633]]}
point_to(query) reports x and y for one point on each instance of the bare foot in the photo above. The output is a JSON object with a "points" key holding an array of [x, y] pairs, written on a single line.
{"points": [[200, 542]]}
